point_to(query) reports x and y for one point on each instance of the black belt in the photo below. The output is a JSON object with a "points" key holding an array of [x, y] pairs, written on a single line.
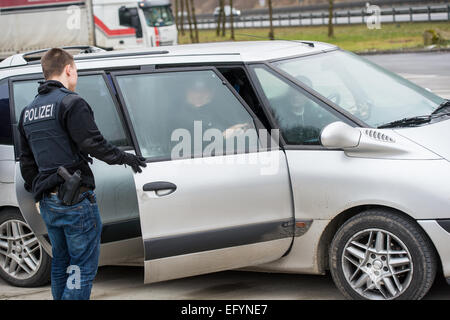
{"points": [[83, 189]]}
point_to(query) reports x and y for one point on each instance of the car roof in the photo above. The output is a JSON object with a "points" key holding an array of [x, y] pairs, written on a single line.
{"points": [[248, 50], [217, 52]]}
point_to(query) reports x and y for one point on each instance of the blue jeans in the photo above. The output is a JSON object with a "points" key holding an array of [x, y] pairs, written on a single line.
{"points": [[74, 233]]}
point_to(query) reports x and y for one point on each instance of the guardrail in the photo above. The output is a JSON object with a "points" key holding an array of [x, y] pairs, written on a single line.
{"points": [[405, 14], [337, 6]]}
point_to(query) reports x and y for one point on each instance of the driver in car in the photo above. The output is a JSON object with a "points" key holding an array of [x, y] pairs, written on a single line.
{"points": [[295, 115]]}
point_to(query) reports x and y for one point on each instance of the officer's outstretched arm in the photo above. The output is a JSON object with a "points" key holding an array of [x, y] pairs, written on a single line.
{"points": [[85, 133], [83, 130]]}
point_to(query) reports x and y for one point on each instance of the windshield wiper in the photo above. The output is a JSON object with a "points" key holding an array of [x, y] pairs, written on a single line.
{"points": [[407, 122], [441, 107], [414, 120]]}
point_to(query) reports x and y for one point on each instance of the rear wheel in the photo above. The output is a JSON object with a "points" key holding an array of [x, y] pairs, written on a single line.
{"points": [[23, 261], [382, 255]]}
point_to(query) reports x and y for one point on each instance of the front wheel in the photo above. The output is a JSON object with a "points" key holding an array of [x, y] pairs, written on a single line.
{"points": [[382, 255], [23, 261]]}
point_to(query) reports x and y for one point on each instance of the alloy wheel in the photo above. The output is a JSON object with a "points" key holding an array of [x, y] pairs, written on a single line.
{"points": [[377, 264], [20, 250]]}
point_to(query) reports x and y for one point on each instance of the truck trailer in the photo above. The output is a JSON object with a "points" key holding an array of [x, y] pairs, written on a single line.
{"points": [[29, 25]]}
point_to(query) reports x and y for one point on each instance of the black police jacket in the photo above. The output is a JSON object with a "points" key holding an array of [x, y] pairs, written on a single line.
{"points": [[76, 117]]}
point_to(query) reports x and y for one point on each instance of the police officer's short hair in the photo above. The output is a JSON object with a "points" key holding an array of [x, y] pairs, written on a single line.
{"points": [[54, 61]]}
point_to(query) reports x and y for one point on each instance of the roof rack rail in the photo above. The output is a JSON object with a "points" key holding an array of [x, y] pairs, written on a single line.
{"points": [[121, 54], [309, 43], [22, 59], [83, 49], [115, 54]]}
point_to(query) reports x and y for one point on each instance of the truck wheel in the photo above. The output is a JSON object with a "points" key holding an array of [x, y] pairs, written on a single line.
{"points": [[382, 255], [23, 261]]}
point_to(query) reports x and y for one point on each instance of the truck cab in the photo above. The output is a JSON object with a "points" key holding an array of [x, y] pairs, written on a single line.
{"points": [[124, 24]]}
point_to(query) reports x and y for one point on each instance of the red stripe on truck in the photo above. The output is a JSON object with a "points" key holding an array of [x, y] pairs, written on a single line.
{"points": [[157, 37], [113, 32]]}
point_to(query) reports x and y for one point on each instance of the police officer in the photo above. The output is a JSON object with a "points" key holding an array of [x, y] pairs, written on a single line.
{"points": [[58, 129]]}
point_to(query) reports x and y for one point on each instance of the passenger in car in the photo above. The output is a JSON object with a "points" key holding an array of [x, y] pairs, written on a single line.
{"points": [[200, 102]]}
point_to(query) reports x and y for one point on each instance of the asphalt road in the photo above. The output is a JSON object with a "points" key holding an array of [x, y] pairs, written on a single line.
{"points": [[126, 283], [430, 70]]}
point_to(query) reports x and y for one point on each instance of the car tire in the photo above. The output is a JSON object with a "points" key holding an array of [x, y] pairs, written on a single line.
{"points": [[27, 247], [371, 253]]}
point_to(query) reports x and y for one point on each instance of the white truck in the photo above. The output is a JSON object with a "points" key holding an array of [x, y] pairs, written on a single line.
{"points": [[109, 24]]}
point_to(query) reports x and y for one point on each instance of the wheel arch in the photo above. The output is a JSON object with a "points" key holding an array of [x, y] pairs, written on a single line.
{"points": [[341, 218], [6, 208]]}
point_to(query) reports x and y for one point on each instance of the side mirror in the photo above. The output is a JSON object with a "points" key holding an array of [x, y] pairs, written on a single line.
{"points": [[339, 135], [371, 143], [124, 16], [129, 17], [135, 22]]}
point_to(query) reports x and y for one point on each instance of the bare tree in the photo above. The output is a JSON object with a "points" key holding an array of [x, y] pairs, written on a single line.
{"points": [[191, 32], [194, 18], [271, 32], [219, 17], [231, 20], [182, 17], [224, 19], [177, 20], [330, 18]]}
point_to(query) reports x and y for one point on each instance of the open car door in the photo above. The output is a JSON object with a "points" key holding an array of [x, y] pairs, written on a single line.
{"points": [[202, 212]]}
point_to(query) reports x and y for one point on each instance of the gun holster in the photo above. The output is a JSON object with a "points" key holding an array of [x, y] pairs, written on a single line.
{"points": [[69, 191]]}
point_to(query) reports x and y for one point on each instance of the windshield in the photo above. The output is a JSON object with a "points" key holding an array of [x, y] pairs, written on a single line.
{"points": [[159, 16], [369, 92]]}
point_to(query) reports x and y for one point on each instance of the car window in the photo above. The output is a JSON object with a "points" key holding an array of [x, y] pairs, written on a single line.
{"points": [[5, 119], [185, 114], [328, 83], [372, 94], [94, 90], [23, 92], [158, 16], [299, 115]]}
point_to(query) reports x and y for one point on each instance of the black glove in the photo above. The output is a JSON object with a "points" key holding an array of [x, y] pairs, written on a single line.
{"points": [[135, 162]]}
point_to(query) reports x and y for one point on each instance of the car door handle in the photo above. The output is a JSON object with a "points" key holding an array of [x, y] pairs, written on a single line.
{"points": [[159, 186]]}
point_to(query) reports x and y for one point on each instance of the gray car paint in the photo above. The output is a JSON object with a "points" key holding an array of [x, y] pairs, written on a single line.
{"points": [[226, 193], [432, 137]]}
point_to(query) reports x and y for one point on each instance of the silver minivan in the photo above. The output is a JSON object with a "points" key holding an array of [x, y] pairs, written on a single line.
{"points": [[281, 156]]}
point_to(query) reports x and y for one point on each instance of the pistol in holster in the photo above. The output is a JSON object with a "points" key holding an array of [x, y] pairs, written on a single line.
{"points": [[69, 191]]}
